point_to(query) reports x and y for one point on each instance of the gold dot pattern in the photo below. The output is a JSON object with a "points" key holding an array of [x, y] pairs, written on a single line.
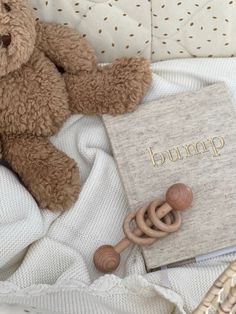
{"points": [[155, 29]]}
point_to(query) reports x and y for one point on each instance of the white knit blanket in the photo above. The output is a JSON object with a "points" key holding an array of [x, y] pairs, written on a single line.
{"points": [[46, 259]]}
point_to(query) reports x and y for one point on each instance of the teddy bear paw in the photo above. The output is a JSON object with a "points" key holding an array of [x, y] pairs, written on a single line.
{"points": [[57, 188], [132, 78]]}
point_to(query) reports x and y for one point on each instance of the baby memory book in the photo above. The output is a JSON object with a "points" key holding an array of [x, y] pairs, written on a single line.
{"points": [[188, 138]]}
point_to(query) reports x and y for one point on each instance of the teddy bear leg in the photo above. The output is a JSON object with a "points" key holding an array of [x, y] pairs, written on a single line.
{"points": [[114, 89], [49, 174]]}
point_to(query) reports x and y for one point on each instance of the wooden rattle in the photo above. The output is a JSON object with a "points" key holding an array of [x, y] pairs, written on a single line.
{"points": [[154, 221]]}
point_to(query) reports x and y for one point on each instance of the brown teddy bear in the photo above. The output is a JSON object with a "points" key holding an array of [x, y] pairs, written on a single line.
{"points": [[36, 98]]}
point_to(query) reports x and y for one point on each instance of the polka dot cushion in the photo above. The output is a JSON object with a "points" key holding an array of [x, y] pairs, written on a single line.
{"points": [[194, 28], [114, 28], [155, 29]]}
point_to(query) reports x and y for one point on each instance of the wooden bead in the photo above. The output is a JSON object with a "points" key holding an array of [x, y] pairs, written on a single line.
{"points": [[179, 196], [106, 259]]}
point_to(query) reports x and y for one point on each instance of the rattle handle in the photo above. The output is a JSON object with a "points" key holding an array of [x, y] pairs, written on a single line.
{"points": [[161, 213]]}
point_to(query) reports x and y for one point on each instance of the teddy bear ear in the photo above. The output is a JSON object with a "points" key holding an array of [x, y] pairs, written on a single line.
{"points": [[18, 42]]}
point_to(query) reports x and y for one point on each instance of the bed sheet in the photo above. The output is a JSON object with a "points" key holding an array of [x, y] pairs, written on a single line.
{"points": [[46, 258]]}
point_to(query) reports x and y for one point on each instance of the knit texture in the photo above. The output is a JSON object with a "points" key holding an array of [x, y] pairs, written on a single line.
{"points": [[46, 258]]}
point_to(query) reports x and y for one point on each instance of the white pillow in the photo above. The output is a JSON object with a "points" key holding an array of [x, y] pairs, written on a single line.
{"points": [[200, 28], [155, 29], [114, 28]]}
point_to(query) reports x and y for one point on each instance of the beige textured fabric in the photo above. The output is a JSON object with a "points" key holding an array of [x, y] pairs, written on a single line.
{"points": [[155, 29], [170, 127]]}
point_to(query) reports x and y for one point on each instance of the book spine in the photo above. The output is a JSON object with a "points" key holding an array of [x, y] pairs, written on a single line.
{"points": [[197, 259]]}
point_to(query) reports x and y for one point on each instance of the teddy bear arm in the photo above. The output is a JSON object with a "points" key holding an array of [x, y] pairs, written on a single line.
{"points": [[65, 47], [113, 89], [49, 174]]}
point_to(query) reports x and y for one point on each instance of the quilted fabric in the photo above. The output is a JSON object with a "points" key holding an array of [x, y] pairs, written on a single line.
{"points": [[199, 28], [155, 29]]}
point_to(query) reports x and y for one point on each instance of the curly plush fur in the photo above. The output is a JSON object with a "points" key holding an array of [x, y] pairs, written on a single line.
{"points": [[36, 99]]}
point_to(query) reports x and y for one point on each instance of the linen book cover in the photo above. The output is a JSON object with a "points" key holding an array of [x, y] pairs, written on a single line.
{"points": [[188, 138]]}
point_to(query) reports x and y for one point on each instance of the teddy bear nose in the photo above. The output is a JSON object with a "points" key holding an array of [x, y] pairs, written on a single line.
{"points": [[5, 40]]}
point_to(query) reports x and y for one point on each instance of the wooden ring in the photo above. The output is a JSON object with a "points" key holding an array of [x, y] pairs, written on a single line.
{"points": [[168, 219], [131, 236], [153, 216], [140, 220]]}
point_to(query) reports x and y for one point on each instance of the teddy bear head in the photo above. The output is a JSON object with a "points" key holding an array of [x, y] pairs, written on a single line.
{"points": [[17, 34]]}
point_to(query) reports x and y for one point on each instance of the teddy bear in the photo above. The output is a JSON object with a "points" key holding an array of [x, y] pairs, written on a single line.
{"points": [[47, 73]]}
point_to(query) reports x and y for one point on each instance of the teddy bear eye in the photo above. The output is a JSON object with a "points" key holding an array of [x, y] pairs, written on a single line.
{"points": [[7, 7]]}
